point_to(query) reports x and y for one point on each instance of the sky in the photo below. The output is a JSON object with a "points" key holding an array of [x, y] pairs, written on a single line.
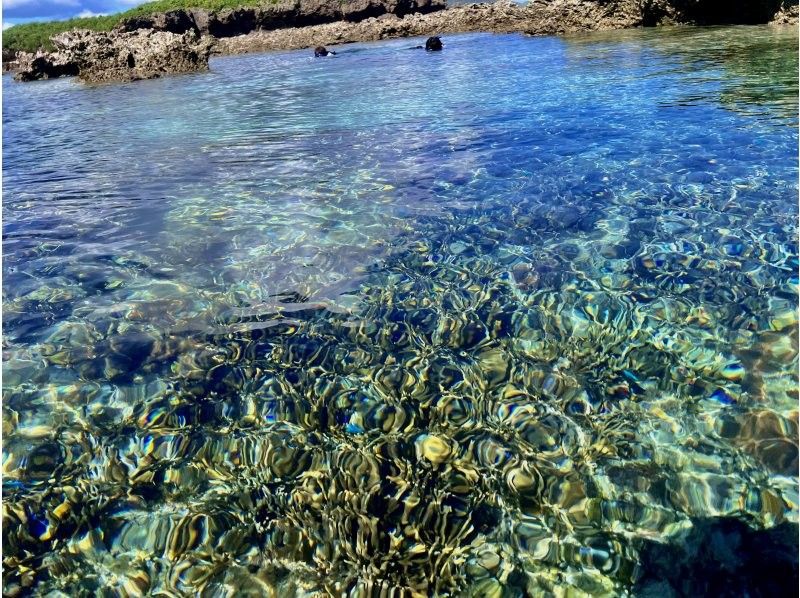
{"points": [[21, 11]]}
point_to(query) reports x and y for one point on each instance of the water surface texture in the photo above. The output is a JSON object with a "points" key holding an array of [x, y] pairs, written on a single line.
{"points": [[514, 319]]}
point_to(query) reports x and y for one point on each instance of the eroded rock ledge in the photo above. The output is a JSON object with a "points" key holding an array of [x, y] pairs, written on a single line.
{"points": [[717, 12], [539, 17], [285, 13], [98, 57], [180, 41]]}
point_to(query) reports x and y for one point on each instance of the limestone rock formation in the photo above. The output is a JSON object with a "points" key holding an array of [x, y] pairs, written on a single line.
{"points": [[284, 13], [43, 65], [540, 17], [180, 41], [714, 12], [789, 14], [119, 56]]}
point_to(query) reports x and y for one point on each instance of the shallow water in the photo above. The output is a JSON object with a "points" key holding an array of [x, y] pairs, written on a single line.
{"points": [[504, 320]]}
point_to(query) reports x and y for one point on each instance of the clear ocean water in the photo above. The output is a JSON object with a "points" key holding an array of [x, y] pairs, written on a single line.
{"points": [[514, 319]]}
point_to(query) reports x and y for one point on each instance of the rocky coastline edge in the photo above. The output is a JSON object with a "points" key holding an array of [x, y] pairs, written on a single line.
{"points": [[182, 41]]}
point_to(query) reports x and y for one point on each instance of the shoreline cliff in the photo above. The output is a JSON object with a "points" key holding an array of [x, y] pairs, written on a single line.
{"points": [[182, 41]]}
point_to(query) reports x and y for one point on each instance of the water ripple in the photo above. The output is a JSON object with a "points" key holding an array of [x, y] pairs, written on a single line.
{"points": [[511, 319]]}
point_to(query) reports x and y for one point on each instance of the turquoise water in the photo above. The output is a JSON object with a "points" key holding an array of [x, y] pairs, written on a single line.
{"points": [[504, 320]]}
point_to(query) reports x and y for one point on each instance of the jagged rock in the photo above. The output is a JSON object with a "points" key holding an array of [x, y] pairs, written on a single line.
{"points": [[180, 40], [119, 56], [789, 14], [565, 16], [285, 13], [538, 17], [173, 21], [10, 61], [233, 21], [44, 65], [713, 12], [14, 61]]}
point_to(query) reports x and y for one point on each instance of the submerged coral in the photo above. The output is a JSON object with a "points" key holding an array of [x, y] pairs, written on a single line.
{"points": [[456, 431], [446, 370]]}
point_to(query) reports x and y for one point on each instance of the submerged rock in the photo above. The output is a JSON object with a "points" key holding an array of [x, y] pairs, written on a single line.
{"points": [[98, 57]]}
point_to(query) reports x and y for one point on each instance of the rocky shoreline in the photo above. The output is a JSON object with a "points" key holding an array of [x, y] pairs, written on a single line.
{"points": [[100, 57], [181, 41], [537, 18]]}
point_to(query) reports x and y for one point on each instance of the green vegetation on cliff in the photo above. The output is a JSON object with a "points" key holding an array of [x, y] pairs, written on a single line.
{"points": [[31, 36]]}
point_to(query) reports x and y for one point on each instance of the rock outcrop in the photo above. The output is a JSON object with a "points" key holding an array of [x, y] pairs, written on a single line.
{"points": [[97, 57], [539, 17], [713, 12], [44, 65], [789, 14], [566, 16], [180, 41], [283, 14], [11, 59]]}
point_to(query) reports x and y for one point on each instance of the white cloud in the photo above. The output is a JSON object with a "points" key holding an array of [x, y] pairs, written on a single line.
{"points": [[7, 25], [19, 3], [89, 13]]}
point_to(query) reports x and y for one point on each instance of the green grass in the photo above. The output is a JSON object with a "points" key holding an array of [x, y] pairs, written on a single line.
{"points": [[32, 36]]}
